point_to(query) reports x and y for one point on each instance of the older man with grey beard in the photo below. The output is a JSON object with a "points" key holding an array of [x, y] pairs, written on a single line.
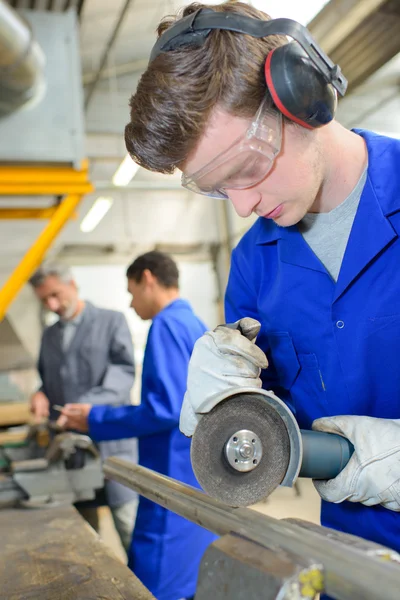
{"points": [[86, 357]]}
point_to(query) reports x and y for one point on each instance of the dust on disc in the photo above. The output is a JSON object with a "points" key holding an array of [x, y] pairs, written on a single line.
{"points": [[212, 470]]}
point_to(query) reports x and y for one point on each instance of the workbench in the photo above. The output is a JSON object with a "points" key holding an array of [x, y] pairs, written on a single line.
{"points": [[53, 554]]}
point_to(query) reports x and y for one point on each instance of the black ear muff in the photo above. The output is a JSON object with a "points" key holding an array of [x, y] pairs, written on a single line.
{"points": [[297, 88]]}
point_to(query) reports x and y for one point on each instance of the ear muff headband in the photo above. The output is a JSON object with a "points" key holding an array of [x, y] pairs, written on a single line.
{"points": [[194, 28]]}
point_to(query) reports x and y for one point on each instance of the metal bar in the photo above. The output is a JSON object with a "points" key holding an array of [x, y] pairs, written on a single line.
{"points": [[35, 254], [129, 68], [79, 8], [27, 213], [350, 574], [22, 61], [107, 49], [51, 189], [40, 174]]}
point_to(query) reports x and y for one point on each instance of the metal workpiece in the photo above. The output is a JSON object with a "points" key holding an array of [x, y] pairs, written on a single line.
{"points": [[370, 548], [350, 573], [65, 444], [69, 471], [234, 567]]}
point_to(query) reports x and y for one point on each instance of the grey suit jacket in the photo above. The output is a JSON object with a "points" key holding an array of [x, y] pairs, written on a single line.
{"points": [[97, 368]]}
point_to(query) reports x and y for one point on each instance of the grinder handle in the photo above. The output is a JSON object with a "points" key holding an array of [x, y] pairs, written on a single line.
{"points": [[325, 455], [247, 326]]}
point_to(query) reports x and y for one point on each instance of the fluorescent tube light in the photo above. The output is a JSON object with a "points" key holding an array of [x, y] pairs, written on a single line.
{"points": [[99, 209], [125, 172]]}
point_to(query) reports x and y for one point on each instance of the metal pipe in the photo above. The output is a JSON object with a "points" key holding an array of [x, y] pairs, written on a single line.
{"points": [[134, 66], [21, 62], [106, 52], [350, 574]]}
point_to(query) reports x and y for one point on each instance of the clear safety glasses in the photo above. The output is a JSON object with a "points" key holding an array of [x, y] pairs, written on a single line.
{"points": [[245, 163]]}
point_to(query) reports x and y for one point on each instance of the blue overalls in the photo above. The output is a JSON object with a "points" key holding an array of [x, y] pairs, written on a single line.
{"points": [[166, 549], [333, 348]]}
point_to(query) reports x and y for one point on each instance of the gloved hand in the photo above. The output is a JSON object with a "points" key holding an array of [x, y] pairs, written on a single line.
{"points": [[372, 475], [222, 359]]}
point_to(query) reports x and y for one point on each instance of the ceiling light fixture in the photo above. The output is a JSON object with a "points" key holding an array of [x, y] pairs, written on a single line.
{"points": [[125, 172], [99, 209]]}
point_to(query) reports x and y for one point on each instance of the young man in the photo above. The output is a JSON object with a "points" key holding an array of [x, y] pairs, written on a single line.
{"points": [[166, 549], [86, 357], [318, 269]]}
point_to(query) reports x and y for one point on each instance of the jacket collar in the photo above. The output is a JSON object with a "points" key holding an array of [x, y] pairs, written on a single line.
{"points": [[383, 169], [371, 231], [383, 162]]}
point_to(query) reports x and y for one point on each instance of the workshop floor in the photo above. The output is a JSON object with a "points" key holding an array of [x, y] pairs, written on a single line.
{"points": [[281, 504]]}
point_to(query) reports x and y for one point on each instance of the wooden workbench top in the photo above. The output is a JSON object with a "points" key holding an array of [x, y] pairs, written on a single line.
{"points": [[52, 554]]}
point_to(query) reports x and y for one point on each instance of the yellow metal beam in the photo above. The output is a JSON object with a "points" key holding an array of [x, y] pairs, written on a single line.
{"points": [[28, 213], [44, 189], [37, 251], [34, 180], [43, 174], [44, 180]]}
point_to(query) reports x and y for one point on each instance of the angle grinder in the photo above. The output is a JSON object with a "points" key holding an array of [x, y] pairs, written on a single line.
{"points": [[248, 442]]}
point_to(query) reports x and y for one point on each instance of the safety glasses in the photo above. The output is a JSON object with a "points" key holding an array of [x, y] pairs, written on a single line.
{"points": [[246, 162]]}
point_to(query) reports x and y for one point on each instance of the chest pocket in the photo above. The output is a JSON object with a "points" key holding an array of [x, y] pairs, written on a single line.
{"points": [[284, 358], [300, 375]]}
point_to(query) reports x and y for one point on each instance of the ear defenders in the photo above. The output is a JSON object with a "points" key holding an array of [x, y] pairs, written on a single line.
{"points": [[301, 78]]}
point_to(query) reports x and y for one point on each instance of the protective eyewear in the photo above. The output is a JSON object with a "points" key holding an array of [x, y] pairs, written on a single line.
{"points": [[246, 162]]}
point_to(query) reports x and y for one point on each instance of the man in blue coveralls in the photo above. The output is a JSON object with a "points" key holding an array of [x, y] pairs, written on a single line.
{"points": [[320, 266], [166, 549]]}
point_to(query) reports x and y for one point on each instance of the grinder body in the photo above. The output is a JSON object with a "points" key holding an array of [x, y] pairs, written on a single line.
{"points": [[325, 455]]}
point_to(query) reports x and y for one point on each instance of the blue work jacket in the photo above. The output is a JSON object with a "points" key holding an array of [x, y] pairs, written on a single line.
{"points": [[333, 347], [166, 549]]}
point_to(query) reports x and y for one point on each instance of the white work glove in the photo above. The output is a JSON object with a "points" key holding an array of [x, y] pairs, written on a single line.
{"points": [[372, 475], [222, 359]]}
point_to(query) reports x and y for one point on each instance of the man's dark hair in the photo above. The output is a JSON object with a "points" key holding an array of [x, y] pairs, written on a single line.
{"points": [[161, 265]]}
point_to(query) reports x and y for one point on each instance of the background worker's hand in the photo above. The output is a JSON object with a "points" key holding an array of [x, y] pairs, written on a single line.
{"points": [[39, 406], [222, 359], [75, 416], [372, 475]]}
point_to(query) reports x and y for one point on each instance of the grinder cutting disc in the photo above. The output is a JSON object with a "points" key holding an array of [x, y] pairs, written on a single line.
{"points": [[216, 447]]}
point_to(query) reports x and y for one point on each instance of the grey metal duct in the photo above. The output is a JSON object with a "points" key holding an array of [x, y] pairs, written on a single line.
{"points": [[21, 62]]}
